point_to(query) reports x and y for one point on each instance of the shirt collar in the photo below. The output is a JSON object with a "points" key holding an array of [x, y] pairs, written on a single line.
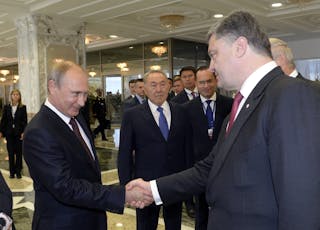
{"points": [[188, 91], [294, 73], [154, 107], [251, 82], [65, 118], [212, 98]]}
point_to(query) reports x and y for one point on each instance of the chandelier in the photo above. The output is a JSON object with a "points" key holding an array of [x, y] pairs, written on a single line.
{"points": [[4, 72], [171, 21], [159, 50]]}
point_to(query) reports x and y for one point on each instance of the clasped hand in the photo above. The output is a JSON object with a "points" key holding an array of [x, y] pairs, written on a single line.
{"points": [[138, 193]]}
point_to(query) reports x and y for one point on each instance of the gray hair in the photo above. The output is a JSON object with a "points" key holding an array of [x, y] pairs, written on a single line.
{"points": [[146, 75], [283, 48], [243, 24], [59, 69]]}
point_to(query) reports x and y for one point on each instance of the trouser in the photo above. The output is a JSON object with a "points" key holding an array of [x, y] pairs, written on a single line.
{"points": [[147, 218], [202, 211], [14, 147], [101, 127]]}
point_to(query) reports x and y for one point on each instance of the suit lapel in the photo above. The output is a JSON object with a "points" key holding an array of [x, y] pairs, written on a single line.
{"points": [[83, 124], [60, 125], [147, 114], [225, 143]]}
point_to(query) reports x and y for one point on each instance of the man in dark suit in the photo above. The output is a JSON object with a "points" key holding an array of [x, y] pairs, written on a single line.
{"points": [[132, 82], [283, 56], [62, 161], [189, 92], [188, 77], [139, 97], [263, 173], [5, 205], [159, 148], [99, 109], [206, 114], [177, 85]]}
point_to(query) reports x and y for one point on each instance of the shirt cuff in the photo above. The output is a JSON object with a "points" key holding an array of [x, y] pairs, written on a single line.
{"points": [[155, 192], [8, 220]]}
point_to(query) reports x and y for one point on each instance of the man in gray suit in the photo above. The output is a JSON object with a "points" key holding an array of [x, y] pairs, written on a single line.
{"points": [[263, 173]]}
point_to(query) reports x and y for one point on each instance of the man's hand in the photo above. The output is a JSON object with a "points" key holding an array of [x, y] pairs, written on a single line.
{"points": [[138, 193]]}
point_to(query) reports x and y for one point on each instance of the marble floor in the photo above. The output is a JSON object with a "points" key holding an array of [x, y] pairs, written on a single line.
{"points": [[23, 194]]}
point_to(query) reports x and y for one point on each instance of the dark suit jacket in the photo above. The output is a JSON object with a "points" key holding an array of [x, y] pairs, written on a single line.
{"points": [[127, 104], [181, 98], [202, 144], [67, 184], [153, 155], [5, 197], [301, 77], [10, 126], [265, 174]]}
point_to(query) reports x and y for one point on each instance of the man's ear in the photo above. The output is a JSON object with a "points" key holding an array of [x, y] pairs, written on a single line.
{"points": [[241, 46], [51, 85]]}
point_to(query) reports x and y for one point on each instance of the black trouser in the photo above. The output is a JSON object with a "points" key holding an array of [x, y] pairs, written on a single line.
{"points": [[147, 218], [101, 127], [14, 147], [202, 212]]}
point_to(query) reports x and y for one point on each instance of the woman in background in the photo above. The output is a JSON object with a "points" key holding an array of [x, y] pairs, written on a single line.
{"points": [[12, 125]]}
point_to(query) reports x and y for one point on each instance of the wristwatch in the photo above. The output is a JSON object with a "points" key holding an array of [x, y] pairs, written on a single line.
{"points": [[5, 221]]}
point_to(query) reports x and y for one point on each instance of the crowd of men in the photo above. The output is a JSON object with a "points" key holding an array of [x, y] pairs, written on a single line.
{"points": [[251, 162]]}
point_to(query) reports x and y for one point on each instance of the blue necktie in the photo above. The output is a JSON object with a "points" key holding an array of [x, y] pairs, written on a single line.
{"points": [[209, 114], [163, 124]]}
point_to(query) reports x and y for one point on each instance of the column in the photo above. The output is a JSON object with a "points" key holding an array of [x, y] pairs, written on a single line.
{"points": [[40, 43]]}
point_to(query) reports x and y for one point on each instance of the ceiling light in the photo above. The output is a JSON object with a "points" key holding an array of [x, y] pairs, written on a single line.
{"points": [[155, 67], [276, 4], [218, 15], [113, 36], [3, 79], [92, 73], [4, 72], [159, 50], [122, 65], [131, 47], [171, 21], [16, 77], [124, 69]]}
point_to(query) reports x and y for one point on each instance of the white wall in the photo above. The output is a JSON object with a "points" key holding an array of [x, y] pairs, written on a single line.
{"points": [[305, 49]]}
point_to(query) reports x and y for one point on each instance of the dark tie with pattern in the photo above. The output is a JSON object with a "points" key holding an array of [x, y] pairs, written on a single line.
{"points": [[163, 124], [209, 114], [193, 94], [76, 131], [236, 102]]}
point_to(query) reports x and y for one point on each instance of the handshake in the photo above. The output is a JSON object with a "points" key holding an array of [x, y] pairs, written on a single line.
{"points": [[138, 193]]}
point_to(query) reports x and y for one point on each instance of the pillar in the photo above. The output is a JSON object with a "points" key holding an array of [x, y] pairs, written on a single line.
{"points": [[40, 43]]}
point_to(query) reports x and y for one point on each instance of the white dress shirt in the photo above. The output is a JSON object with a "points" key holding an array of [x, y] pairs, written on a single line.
{"points": [[66, 119]]}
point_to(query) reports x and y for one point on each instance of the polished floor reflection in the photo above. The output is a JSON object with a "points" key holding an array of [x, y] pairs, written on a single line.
{"points": [[23, 195]]}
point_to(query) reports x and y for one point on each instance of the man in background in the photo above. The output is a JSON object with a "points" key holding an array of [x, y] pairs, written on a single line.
{"points": [[177, 85], [157, 133], [206, 114], [132, 82], [99, 109], [139, 96], [283, 56], [188, 78]]}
